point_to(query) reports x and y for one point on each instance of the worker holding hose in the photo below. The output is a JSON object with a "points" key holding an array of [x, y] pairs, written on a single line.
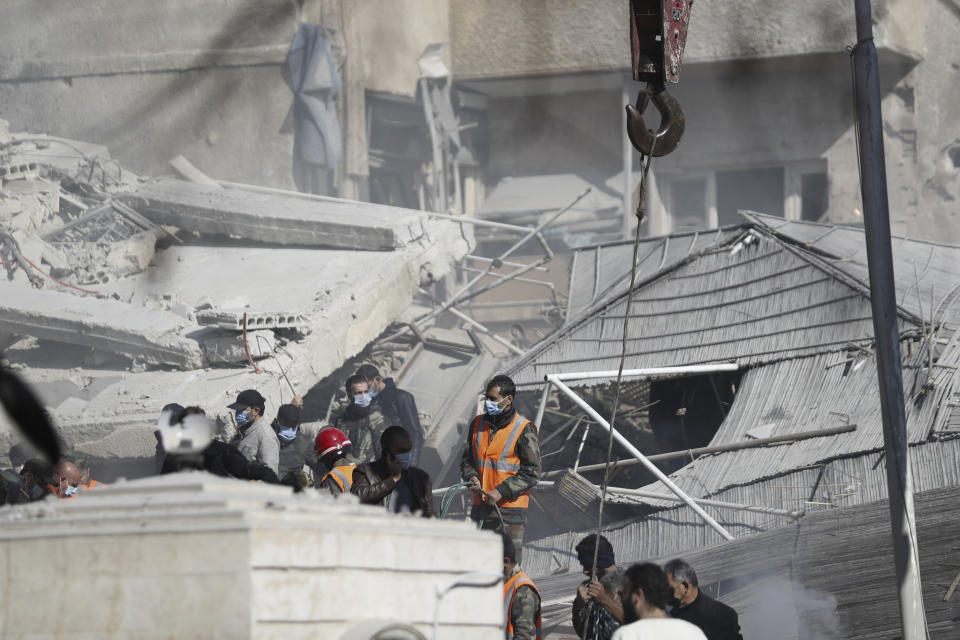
{"points": [[501, 460]]}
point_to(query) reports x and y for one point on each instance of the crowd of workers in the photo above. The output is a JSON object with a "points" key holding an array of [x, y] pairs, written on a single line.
{"points": [[370, 449], [645, 602]]}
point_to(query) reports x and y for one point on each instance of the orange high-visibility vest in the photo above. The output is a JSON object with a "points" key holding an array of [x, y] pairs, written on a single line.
{"points": [[93, 485], [496, 458], [517, 580], [342, 475]]}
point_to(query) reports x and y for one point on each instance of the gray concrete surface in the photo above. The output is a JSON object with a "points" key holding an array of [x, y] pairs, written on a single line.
{"points": [[194, 555]]}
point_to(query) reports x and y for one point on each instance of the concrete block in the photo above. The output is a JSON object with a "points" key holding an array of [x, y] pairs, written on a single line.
{"points": [[170, 557], [132, 255]]}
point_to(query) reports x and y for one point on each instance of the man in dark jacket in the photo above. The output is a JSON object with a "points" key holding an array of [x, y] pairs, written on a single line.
{"points": [[397, 406], [715, 619], [218, 458], [391, 481]]}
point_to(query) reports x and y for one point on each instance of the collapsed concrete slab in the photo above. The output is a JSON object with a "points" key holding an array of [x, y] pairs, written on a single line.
{"points": [[151, 335], [275, 217], [339, 301]]}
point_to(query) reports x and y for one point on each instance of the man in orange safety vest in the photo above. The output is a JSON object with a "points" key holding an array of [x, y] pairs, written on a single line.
{"points": [[501, 460]]}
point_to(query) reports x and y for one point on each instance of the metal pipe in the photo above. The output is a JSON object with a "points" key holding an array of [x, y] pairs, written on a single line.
{"points": [[544, 396], [651, 372], [542, 283], [721, 448], [505, 263], [876, 222], [720, 504], [652, 468], [627, 151], [509, 345], [477, 222], [438, 170], [460, 297]]}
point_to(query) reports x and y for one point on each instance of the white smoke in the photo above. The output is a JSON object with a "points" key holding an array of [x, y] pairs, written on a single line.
{"points": [[781, 609]]}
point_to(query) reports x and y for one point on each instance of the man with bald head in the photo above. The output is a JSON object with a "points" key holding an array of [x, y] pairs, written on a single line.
{"points": [[66, 480]]}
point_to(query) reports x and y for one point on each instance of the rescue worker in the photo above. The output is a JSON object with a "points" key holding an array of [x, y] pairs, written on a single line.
{"points": [[391, 481], [502, 462], [296, 441], [66, 480], [397, 406], [521, 599], [332, 447], [257, 441], [360, 420]]}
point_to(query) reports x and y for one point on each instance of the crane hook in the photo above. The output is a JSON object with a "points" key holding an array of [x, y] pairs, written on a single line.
{"points": [[672, 122]]}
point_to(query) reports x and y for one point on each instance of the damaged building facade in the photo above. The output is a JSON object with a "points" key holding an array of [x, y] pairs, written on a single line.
{"points": [[535, 87]]}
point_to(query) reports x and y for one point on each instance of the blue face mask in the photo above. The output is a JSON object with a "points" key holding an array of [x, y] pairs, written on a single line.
{"points": [[287, 434], [374, 393], [492, 408], [242, 418], [71, 491], [403, 459], [362, 399]]}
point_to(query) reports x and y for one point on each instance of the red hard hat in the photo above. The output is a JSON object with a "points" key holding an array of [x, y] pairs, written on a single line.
{"points": [[330, 440]]}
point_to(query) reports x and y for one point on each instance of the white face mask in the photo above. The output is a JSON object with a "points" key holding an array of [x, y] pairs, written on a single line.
{"points": [[362, 399], [71, 491]]}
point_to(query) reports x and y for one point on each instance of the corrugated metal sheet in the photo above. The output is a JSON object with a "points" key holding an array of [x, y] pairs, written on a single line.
{"points": [[806, 394], [927, 274], [666, 532], [601, 271], [845, 553], [762, 303]]}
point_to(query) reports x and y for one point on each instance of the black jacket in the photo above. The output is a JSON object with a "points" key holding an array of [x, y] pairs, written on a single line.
{"points": [[715, 619], [373, 485], [399, 408], [222, 459]]}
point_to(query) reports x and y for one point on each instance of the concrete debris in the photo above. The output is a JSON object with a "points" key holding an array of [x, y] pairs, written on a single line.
{"points": [[228, 347], [133, 255], [233, 319], [160, 305], [107, 325], [274, 217], [109, 239]]}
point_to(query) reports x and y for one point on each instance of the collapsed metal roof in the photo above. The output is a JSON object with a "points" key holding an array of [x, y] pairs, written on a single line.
{"points": [[788, 302]]}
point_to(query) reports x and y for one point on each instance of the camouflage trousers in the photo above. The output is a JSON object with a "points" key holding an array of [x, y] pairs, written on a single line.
{"points": [[515, 531]]}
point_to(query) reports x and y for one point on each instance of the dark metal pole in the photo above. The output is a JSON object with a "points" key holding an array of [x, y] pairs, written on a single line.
{"points": [[876, 221]]}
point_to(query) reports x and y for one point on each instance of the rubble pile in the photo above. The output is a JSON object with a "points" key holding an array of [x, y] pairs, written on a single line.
{"points": [[140, 286]]}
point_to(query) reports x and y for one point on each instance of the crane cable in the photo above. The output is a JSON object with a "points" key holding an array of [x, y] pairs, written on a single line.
{"points": [[623, 357]]}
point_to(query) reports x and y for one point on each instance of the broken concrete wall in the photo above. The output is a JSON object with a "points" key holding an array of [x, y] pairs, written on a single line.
{"points": [[502, 38], [154, 80]]}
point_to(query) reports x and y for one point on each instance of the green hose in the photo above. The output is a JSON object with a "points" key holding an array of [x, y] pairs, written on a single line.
{"points": [[447, 500]]}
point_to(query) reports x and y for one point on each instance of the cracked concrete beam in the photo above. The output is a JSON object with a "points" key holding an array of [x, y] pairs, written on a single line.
{"points": [[108, 325], [284, 218]]}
